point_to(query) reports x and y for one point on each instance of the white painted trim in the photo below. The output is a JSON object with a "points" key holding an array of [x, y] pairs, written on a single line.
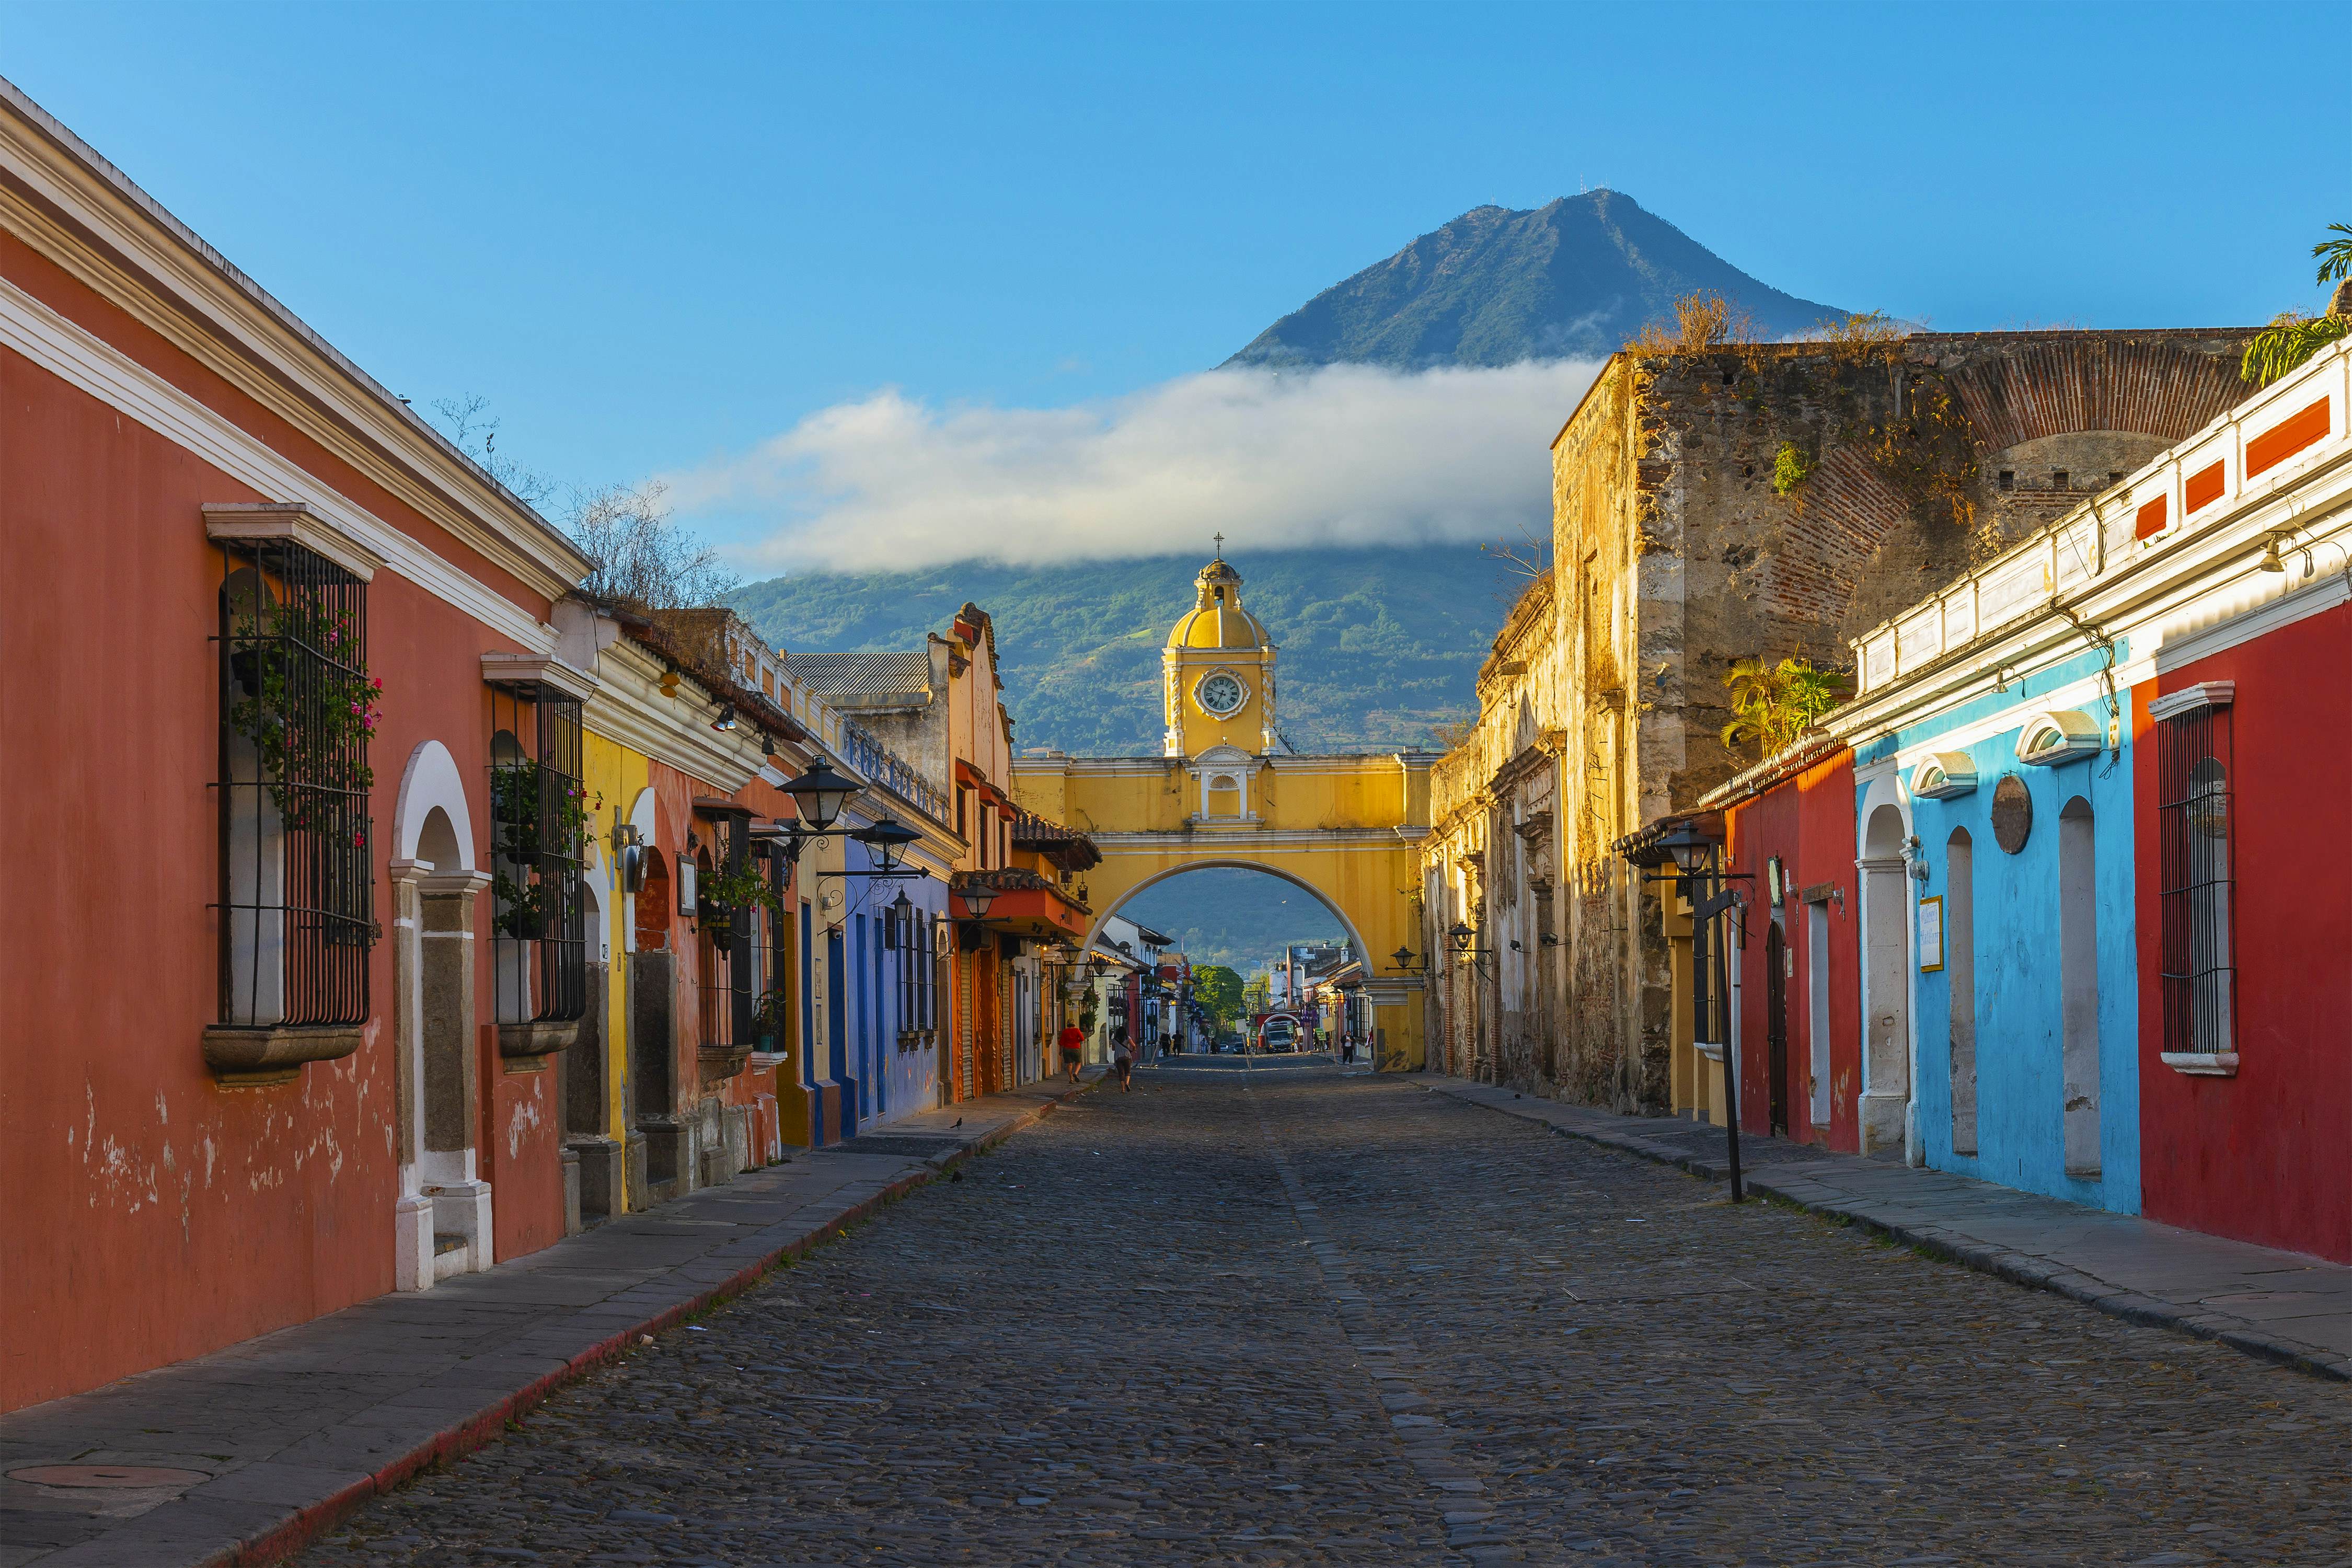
{"points": [[2302, 604], [1943, 775], [253, 520], [1871, 772], [508, 668], [431, 779], [2189, 699], [2079, 735], [89, 363], [2202, 1063], [2090, 690]]}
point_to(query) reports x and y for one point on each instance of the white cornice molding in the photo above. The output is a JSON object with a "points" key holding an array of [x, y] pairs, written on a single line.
{"points": [[537, 668], [252, 522], [2188, 698], [123, 245], [64, 350], [630, 709]]}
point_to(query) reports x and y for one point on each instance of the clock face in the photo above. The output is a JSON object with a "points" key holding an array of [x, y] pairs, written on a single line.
{"points": [[1221, 694]]}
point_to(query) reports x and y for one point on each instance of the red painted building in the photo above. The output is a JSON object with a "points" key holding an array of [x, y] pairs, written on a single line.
{"points": [[208, 507], [1790, 828], [2246, 1094]]}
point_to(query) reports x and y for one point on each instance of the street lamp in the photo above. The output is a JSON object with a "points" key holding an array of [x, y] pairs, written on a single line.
{"points": [[1404, 957], [1463, 936], [977, 896], [1096, 964], [820, 793], [887, 840], [1691, 848]]}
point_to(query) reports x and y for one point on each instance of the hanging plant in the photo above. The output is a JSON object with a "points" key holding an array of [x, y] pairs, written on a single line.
{"points": [[308, 706], [722, 893]]}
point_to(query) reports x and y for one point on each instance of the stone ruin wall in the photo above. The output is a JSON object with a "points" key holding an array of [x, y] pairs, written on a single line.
{"points": [[1674, 557]]}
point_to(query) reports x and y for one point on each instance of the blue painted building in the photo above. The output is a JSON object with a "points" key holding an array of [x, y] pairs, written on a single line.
{"points": [[2000, 980]]}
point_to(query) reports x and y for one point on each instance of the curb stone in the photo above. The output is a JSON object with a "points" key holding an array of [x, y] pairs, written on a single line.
{"points": [[1986, 1258]]}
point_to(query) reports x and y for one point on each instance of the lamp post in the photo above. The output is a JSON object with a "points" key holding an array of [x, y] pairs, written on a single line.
{"points": [[1693, 850]]}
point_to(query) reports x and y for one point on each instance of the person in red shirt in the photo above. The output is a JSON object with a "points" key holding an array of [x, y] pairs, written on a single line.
{"points": [[1074, 1044]]}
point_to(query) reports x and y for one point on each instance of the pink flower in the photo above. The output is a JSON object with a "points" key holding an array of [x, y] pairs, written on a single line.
{"points": [[377, 684]]}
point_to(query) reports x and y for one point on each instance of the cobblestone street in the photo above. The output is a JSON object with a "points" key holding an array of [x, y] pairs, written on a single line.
{"points": [[1283, 1316]]}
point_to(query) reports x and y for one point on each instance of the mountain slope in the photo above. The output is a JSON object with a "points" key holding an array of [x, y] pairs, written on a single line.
{"points": [[1572, 279], [1378, 646]]}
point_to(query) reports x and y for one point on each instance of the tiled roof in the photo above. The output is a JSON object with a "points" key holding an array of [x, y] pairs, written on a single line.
{"points": [[834, 675]]}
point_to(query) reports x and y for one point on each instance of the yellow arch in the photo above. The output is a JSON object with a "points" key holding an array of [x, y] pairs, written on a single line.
{"points": [[1224, 863]]}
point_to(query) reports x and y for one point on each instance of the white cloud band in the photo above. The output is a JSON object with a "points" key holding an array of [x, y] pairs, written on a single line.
{"points": [[1346, 455]]}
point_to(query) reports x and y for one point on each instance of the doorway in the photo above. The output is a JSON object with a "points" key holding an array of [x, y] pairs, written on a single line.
{"points": [[1776, 1026], [837, 1027], [1960, 982], [1886, 937], [2078, 982], [1816, 1014]]}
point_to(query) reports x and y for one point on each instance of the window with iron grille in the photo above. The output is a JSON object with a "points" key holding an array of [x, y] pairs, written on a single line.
{"points": [[2193, 795], [539, 818], [297, 710]]}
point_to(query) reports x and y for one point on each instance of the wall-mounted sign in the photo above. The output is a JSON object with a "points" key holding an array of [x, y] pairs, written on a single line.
{"points": [[2013, 813], [1776, 879], [1931, 934], [685, 869]]}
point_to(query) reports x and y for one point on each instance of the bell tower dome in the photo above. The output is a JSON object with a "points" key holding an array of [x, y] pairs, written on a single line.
{"points": [[1217, 672]]}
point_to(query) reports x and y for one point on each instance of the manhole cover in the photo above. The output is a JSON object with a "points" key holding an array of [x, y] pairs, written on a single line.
{"points": [[106, 1476]]}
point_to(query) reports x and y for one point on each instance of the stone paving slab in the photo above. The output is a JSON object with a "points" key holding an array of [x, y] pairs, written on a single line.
{"points": [[2283, 1307], [293, 1430]]}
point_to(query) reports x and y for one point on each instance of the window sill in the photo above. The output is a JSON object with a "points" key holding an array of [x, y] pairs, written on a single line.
{"points": [[252, 1058], [536, 1040], [719, 1063], [2203, 1064]]}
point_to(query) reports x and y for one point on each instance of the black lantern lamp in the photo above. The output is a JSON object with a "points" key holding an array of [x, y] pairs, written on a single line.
{"points": [[820, 793], [886, 841], [1463, 936], [725, 719], [977, 897], [1098, 963], [1690, 845], [1403, 958]]}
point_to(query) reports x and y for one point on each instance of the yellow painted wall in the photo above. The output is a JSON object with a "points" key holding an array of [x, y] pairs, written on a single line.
{"points": [[1363, 869], [613, 776]]}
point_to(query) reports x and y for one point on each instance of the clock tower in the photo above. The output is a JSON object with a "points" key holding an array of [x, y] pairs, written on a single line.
{"points": [[1217, 674]]}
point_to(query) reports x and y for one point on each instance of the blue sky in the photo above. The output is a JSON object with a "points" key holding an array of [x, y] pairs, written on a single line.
{"points": [[655, 237]]}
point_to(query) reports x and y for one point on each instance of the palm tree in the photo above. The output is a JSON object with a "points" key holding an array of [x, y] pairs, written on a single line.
{"points": [[2294, 337], [1774, 704]]}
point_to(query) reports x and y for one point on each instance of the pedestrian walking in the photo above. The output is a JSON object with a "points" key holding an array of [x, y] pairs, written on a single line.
{"points": [[1073, 1041], [1122, 1061]]}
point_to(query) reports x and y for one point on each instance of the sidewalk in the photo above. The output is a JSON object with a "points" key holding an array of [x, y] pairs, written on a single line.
{"points": [[2282, 1306], [244, 1455]]}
